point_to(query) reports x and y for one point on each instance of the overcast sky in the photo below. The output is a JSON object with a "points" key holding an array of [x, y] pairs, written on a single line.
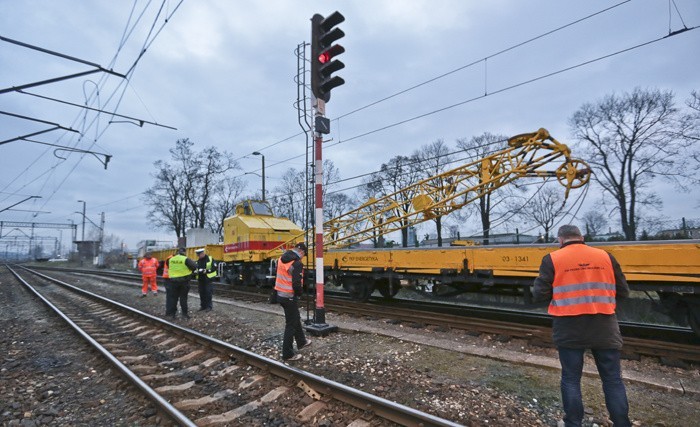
{"points": [[222, 73]]}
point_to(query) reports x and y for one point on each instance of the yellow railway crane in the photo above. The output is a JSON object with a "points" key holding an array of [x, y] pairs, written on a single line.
{"points": [[361, 271], [670, 268], [529, 155]]}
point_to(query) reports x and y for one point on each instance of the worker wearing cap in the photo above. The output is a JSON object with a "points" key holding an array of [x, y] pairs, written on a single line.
{"points": [[206, 271], [180, 270], [148, 266], [582, 285], [288, 284]]}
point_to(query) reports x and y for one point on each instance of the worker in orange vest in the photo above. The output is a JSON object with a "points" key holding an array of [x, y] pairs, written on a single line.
{"points": [[582, 285], [288, 284], [148, 267], [166, 275]]}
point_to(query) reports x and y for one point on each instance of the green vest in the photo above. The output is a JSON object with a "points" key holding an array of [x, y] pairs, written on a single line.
{"points": [[177, 267], [210, 264]]}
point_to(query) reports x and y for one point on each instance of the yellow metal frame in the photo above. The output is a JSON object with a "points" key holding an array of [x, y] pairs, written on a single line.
{"points": [[677, 263], [527, 155]]}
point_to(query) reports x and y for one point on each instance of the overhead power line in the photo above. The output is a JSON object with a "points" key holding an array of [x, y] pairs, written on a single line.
{"points": [[471, 64]]}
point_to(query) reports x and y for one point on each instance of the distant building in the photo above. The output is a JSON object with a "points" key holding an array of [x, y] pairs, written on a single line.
{"points": [[152, 245]]}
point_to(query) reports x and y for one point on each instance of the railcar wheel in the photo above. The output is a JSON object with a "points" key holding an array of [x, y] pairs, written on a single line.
{"points": [[694, 319], [386, 288], [359, 290]]}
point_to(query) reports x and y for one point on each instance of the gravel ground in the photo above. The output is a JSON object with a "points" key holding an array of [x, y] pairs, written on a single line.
{"points": [[431, 369], [49, 377]]}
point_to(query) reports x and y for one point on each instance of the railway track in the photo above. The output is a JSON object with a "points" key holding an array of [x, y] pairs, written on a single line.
{"points": [[670, 343], [199, 380]]}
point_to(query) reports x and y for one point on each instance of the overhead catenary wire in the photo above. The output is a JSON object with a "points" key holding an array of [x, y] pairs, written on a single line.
{"points": [[498, 91], [440, 76], [147, 43], [484, 59]]}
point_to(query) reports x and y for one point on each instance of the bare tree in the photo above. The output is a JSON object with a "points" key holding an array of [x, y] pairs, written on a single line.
{"points": [[336, 204], [186, 188], [111, 243], [224, 204], [395, 175], [166, 198], [371, 188], [690, 129], [288, 197], [690, 124], [544, 209], [209, 168], [434, 159], [476, 148], [594, 222], [629, 140]]}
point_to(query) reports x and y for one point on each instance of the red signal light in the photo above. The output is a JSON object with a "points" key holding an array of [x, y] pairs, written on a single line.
{"points": [[324, 57]]}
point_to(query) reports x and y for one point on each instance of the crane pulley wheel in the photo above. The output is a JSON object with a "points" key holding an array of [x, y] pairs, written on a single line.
{"points": [[573, 174]]}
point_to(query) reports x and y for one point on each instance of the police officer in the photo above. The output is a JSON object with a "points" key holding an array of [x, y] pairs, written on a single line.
{"points": [[582, 284], [206, 271], [288, 285], [180, 270]]}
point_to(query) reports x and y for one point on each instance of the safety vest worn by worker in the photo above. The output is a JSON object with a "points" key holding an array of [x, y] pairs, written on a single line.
{"points": [[177, 267], [209, 267], [283, 282], [165, 267], [584, 281], [148, 266]]}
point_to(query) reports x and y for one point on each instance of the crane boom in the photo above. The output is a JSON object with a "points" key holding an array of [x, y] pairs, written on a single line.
{"points": [[527, 155]]}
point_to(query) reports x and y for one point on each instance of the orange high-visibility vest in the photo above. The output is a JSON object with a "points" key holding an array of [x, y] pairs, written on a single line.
{"points": [[584, 281], [148, 267], [283, 282], [165, 268]]}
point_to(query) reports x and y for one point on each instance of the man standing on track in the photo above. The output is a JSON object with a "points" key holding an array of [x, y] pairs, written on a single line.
{"points": [[148, 266], [288, 285], [205, 276], [582, 284], [180, 270]]}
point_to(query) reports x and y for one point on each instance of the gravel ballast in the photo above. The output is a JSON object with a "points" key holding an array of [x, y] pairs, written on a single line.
{"points": [[472, 380]]}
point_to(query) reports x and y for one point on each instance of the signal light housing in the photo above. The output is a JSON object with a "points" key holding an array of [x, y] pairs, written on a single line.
{"points": [[323, 33]]}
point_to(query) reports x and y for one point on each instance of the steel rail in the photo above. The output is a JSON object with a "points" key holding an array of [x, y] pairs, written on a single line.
{"points": [[152, 394], [383, 408], [672, 334]]}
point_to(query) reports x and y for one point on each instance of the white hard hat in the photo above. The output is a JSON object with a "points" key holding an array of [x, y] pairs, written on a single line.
{"points": [[199, 251]]}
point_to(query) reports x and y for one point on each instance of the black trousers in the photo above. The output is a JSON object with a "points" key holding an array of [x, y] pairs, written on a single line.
{"points": [[176, 290], [292, 327], [206, 292]]}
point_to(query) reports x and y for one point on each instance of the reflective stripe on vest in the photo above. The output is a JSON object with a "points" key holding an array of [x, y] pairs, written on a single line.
{"points": [[177, 267], [584, 281], [165, 267], [283, 282], [148, 266]]}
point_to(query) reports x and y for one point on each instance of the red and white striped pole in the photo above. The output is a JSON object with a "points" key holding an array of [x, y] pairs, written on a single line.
{"points": [[320, 314]]}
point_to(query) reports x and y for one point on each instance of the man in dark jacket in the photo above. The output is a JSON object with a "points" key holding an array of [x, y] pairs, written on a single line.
{"points": [[206, 272], [288, 284], [582, 284]]}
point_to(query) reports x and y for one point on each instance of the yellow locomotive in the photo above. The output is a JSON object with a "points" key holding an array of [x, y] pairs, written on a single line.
{"points": [[253, 238]]}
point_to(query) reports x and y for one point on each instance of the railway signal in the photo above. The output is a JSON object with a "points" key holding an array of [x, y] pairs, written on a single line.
{"points": [[323, 34]]}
